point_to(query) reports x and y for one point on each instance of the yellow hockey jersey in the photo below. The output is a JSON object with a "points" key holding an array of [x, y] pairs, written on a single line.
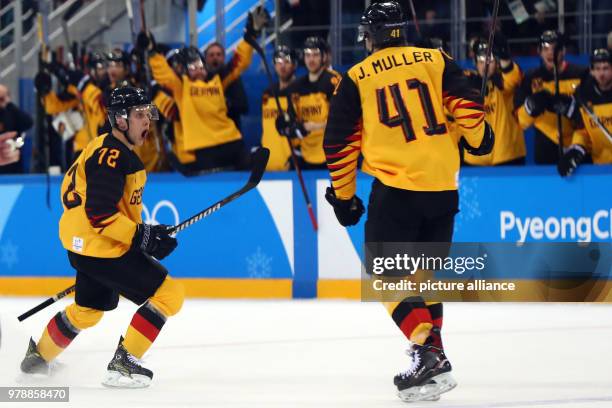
{"points": [[588, 134], [391, 107], [310, 103], [270, 138], [542, 79], [201, 104], [167, 107], [499, 113], [102, 199]]}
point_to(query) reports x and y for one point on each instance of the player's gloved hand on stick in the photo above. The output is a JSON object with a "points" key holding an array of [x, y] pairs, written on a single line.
{"points": [[154, 240], [256, 21], [145, 41], [564, 105], [571, 160], [537, 103], [292, 129], [348, 212]]}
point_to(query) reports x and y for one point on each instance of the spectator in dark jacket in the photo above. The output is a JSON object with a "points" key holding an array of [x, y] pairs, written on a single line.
{"points": [[12, 119]]}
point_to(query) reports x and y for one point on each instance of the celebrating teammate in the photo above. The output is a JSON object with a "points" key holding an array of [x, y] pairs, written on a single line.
{"points": [[110, 248], [595, 94], [390, 108]]}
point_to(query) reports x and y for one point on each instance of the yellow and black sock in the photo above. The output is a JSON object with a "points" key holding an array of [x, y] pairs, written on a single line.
{"points": [[413, 318], [143, 330]]}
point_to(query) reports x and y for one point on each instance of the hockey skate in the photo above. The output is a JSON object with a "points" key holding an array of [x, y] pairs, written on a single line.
{"points": [[125, 371], [427, 378], [33, 363]]}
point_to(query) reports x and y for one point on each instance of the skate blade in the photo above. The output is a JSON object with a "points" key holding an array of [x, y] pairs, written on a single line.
{"points": [[115, 379], [438, 385]]}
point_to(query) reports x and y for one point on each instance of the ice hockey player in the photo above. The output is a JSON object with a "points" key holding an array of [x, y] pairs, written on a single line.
{"points": [[110, 248], [200, 97], [390, 108], [534, 99], [594, 93], [285, 64], [504, 77], [309, 104]]}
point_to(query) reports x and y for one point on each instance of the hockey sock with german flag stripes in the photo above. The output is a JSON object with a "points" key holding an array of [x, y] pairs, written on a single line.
{"points": [[144, 328], [413, 318], [58, 334]]}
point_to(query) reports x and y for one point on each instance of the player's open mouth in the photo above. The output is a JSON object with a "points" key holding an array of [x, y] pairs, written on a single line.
{"points": [[144, 134]]}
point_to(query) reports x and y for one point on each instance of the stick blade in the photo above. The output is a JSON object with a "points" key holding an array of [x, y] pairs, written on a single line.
{"points": [[259, 160]]}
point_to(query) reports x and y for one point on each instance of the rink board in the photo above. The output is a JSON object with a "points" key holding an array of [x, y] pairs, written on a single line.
{"points": [[263, 245]]}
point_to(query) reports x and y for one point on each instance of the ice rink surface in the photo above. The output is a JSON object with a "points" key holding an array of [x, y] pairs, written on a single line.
{"points": [[320, 353]]}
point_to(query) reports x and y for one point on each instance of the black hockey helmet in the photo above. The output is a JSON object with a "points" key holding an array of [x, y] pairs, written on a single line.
{"points": [[316, 43], [191, 54], [480, 48], [175, 58], [96, 60], [284, 52], [551, 37], [600, 55], [383, 23], [123, 99], [118, 55]]}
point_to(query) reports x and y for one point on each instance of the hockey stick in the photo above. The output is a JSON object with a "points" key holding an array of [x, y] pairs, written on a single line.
{"points": [[485, 77], [65, 18], [130, 15], [260, 160], [311, 213], [556, 52], [414, 19]]}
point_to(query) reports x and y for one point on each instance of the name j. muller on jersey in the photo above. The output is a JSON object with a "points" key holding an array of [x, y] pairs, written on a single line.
{"points": [[392, 61]]}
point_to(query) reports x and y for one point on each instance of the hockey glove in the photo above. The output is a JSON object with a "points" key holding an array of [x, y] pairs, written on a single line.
{"points": [[290, 128], [145, 41], [537, 103], [42, 83], [348, 212], [564, 105], [486, 145], [570, 160], [500, 47], [154, 240], [256, 21]]}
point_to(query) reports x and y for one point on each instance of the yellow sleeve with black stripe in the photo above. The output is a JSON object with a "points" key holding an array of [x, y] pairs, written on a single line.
{"points": [[240, 61], [54, 105], [342, 140], [93, 106], [165, 76], [512, 77]]}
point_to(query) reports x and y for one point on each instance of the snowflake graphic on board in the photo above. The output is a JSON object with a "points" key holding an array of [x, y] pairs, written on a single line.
{"points": [[259, 264], [469, 202], [8, 254]]}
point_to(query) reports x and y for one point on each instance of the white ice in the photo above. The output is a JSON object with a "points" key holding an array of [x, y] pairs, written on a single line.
{"points": [[332, 354]]}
